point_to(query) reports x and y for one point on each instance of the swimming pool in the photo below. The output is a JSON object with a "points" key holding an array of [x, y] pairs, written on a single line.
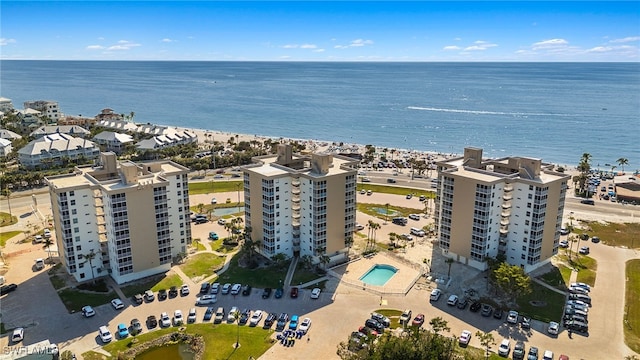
{"points": [[378, 275]]}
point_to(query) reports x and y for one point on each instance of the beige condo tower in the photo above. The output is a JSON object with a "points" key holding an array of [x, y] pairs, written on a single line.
{"points": [[301, 205], [127, 220], [511, 206]]}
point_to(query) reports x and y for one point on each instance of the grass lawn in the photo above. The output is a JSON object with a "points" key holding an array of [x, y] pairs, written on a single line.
{"points": [[92, 355], [74, 300], [302, 275], [205, 208], [155, 283], [202, 265], [586, 267], [552, 311], [396, 190], [219, 340], [558, 277], [198, 245], [207, 187], [6, 219], [632, 306], [614, 234], [260, 277], [371, 209], [393, 315], [217, 245], [8, 235]]}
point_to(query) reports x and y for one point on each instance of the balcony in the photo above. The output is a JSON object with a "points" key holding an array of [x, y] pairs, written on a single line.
{"points": [[507, 197], [295, 215], [506, 205], [295, 207], [504, 222], [504, 231], [505, 213], [295, 199], [295, 191], [295, 182], [508, 188]]}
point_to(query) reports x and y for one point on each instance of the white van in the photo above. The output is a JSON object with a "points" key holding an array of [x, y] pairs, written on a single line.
{"points": [[417, 232], [39, 264], [548, 355]]}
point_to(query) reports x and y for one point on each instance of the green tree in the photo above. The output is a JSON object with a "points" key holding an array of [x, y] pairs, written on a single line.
{"points": [[486, 340], [48, 242], [622, 162], [512, 280], [439, 324], [89, 259]]}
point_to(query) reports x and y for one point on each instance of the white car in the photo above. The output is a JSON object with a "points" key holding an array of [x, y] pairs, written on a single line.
{"points": [[435, 294], [505, 348], [305, 325], [465, 337], [117, 304], [315, 293], [512, 318], [553, 328], [563, 244], [47, 233], [184, 290], [191, 318], [578, 290], [165, 321], [359, 226], [105, 334], [177, 317], [255, 318], [206, 300], [235, 289], [231, 317], [214, 201], [414, 216], [18, 335], [453, 300], [88, 311], [582, 285]]}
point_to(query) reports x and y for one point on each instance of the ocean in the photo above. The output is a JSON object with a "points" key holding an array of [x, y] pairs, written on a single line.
{"points": [[552, 111]]}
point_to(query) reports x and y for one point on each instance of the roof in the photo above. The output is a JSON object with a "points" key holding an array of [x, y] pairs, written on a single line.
{"points": [[8, 134], [29, 111], [113, 136], [4, 142], [59, 142], [64, 129]]}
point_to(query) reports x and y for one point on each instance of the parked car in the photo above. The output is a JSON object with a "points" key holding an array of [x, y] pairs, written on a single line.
{"points": [[215, 288], [374, 325], [414, 216], [235, 289], [497, 314], [305, 325], [246, 290], [244, 316], [462, 303], [271, 318], [138, 299], [191, 318], [208, 314], [581, 284], [136, 326], [533, 353], [381, 319], [205, 287], [512, 317], [117, 304], [294, 292], [553, 328], [518, 351], [505, 347], [584, 250], [206, 300], [578, 290], [255, 318], [226, 288], [152, 322], [595, 239], [165, 321], [105, 334], [548, 355], [581, 297], [487, 310], [465, 337], [221, 222], [315, 293], [282, 321], [5, 289], [177, 318], [149, 296], [87, 311], [123, 331], [279, 293], [475, 306], [173, 291], [563, 244], [405, 317], [453, 300], [184, 290], [525, 323], [162, 294], [231, 317], [17, 335], [266, 293], [563, 231], [435, 294], [418, 320], [293, 323]]}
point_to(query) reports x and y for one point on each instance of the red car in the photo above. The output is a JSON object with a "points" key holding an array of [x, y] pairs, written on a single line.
{"points": [[294, 292], [418, 320]]}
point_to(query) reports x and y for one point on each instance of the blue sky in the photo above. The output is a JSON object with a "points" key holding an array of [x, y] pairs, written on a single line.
{"points": [[321, 31]]}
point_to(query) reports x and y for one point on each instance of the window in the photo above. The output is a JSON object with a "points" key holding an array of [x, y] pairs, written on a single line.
{"points": [[79, 248], [72, 193], [75, 220], [529, 205], [73, 202], [82, 276], [81, 265], [74, 212], [76, 230]]}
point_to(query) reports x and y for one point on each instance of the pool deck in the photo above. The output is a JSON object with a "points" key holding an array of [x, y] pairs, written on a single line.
{"points": [[399, 284]]}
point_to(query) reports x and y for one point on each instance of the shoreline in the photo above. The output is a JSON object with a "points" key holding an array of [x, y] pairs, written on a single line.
{"points": [[315, 145]]}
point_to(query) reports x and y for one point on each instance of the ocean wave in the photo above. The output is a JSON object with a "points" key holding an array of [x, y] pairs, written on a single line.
{"points": [[485, 112]]}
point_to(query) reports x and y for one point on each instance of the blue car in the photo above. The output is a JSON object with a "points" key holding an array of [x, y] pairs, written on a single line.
{"points": [[293, 323], [208, 314], [123, 332], [279, 292]]}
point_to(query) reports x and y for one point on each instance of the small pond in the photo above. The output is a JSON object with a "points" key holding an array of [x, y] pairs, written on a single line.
{"points": [[171, 352], [227, 211], [383, 211]]}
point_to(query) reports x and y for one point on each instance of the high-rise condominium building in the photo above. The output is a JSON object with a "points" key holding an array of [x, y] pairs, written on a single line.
{"points": [[301, 205], [127, 220], [511, 206]]}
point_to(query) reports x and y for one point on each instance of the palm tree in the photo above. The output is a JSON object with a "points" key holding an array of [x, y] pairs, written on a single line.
{"points": [[47, 245], [324, 259], [88, 259], [236, 317], [386, 212], [622, 162], [449, 261], [392, 238]]}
